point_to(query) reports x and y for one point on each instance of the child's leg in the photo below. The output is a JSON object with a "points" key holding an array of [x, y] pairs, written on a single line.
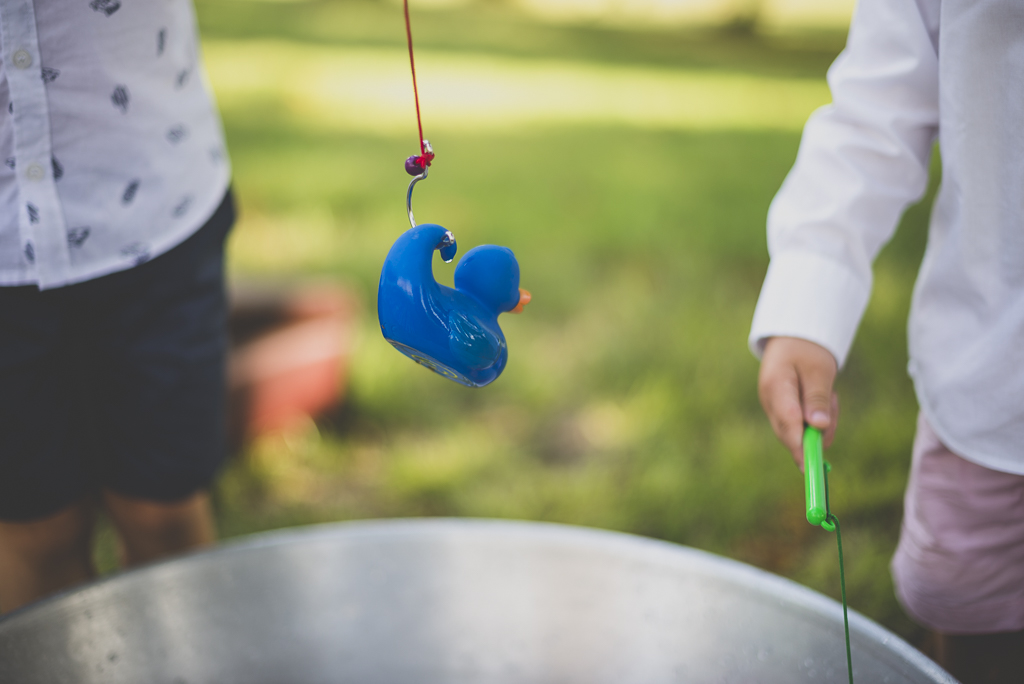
{"points": [[46, 494], [159, 338], [150, 530], [115, 384], [959, 567], [39, 557], [981, 658]]}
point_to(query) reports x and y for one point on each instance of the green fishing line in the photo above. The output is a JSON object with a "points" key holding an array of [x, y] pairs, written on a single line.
{"points": [[816, 470], [830, 517]]}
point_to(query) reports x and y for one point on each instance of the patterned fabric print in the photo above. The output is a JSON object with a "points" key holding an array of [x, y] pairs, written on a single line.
{"points": [[108, 7], [177, 134], [129, 192], [120, 98], [76, 236], [138, 251], [151, 189], [181, 207]]}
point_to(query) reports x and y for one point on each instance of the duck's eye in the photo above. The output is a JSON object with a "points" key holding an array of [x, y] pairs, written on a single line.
{"points": [[447, 246]]}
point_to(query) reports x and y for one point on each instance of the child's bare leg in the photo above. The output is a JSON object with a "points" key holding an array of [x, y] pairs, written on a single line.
{"points": [[150, 530], [981, 658], [40, 557]]}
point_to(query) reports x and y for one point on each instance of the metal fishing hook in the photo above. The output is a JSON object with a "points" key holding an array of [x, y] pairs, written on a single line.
{"points": [[428, 150], [408, 196]]}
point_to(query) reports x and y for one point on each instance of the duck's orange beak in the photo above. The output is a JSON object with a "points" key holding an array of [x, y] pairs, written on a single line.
{"points": [[524, 299]]}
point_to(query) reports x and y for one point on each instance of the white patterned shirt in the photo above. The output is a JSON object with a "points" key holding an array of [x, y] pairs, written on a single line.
{"points": [[913, 70], [111, 148]]}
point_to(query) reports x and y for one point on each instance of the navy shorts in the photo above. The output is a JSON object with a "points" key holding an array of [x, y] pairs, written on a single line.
{"points": [[116, 383]]}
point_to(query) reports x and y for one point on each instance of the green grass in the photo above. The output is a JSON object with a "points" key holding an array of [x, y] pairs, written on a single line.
{"points": [[629, 401]]}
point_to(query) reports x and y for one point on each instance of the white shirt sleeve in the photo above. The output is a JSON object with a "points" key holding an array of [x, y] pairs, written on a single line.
{"points": [[862, 160]]}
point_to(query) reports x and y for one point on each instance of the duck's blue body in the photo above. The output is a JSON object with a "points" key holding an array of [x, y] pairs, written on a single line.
{"points": [[453, 332]]}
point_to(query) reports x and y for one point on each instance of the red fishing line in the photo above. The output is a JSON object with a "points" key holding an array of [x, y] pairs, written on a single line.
{"points": [[417, 163]]}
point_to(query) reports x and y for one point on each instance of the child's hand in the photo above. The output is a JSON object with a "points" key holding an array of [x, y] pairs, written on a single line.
{"points": [[795, 386]]}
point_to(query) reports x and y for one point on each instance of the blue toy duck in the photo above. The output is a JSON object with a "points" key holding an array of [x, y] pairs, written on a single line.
{"points": [[452, 332]]}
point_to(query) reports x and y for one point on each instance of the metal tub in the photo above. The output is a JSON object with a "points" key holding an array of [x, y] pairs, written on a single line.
{"points": [[448, 602]]}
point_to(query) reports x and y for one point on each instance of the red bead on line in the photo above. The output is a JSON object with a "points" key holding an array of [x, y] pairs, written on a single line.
{"points": [[414, 165]]}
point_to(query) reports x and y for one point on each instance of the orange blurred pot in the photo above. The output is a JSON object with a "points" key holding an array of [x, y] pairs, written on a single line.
{"points": [[289, 357]]}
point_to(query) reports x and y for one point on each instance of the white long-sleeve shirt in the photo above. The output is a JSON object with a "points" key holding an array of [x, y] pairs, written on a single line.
{"points": [[913, 70], [111, 150]]}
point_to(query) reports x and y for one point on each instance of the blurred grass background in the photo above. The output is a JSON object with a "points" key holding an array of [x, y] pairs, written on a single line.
{"points": [[629, 166]]}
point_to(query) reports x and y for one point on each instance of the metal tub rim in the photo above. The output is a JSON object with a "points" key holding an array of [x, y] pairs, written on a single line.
{"points": [[787, 594]]}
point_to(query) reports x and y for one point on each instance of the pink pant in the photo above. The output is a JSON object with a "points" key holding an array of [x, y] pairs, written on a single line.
{"points": [[959, 566]]}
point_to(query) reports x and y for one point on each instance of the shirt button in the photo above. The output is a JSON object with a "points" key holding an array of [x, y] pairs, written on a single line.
{"points": [[35, 172], [22, 59]]}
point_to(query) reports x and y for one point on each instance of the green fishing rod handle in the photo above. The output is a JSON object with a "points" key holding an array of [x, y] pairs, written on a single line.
{"points": [[814, 479]]}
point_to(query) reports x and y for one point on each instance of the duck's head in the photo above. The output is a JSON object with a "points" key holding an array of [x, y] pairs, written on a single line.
{"points": [[491, 275]]}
